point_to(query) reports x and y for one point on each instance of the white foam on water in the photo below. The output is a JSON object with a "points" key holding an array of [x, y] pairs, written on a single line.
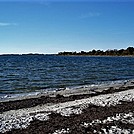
{"points": [[17, 96], [71, 90]]}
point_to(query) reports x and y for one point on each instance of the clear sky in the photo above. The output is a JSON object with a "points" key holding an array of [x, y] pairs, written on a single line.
{"points": [[42, 26]]}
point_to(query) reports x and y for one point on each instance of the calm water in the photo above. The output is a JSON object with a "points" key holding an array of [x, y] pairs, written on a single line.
{"points": [[23, 74]]}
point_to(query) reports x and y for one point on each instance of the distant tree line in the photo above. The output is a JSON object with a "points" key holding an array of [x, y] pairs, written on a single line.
{"points": [[115, 52]]}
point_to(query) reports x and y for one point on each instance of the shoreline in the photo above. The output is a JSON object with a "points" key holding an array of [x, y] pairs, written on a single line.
{"points": [[84, 89], [64, 95], [97, 55], [60, 112]]}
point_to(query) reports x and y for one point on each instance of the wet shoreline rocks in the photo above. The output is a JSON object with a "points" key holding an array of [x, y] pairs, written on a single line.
{"points": [[106, 111]]}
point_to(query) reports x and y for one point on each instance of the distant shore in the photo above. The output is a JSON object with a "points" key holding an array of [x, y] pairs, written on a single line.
{"points": [[71, 55], [84, 110], [129, 52], [97, 55], [122, 52]]}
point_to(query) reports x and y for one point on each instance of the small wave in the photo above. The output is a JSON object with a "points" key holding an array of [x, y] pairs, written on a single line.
{"points": [[101, 85]]}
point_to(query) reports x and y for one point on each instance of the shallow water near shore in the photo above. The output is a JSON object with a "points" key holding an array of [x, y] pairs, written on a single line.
{"points": [[32, 74]]}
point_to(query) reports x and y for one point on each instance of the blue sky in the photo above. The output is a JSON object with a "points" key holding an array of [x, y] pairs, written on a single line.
{"points": [[43, 26]]}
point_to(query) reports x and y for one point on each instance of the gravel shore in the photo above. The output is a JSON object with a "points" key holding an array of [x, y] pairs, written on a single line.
{"points": [[105, 109]]}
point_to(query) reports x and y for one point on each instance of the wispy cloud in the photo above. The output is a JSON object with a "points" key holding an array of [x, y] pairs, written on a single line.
{"points": [[44, 3], [4, 24], [90, 14]]}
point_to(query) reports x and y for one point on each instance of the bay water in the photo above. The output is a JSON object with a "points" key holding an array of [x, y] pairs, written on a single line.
{"points": [[23, 74]]}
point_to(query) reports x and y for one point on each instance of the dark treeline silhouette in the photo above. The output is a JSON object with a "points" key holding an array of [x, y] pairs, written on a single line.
{"points": [[115, 52]]}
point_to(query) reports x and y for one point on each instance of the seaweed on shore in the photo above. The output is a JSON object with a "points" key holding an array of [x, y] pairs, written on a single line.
{"points": [[74, 122], [31, 102]]}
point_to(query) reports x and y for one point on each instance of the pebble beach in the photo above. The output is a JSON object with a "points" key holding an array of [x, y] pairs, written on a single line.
{"points": [[98, 109]]}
